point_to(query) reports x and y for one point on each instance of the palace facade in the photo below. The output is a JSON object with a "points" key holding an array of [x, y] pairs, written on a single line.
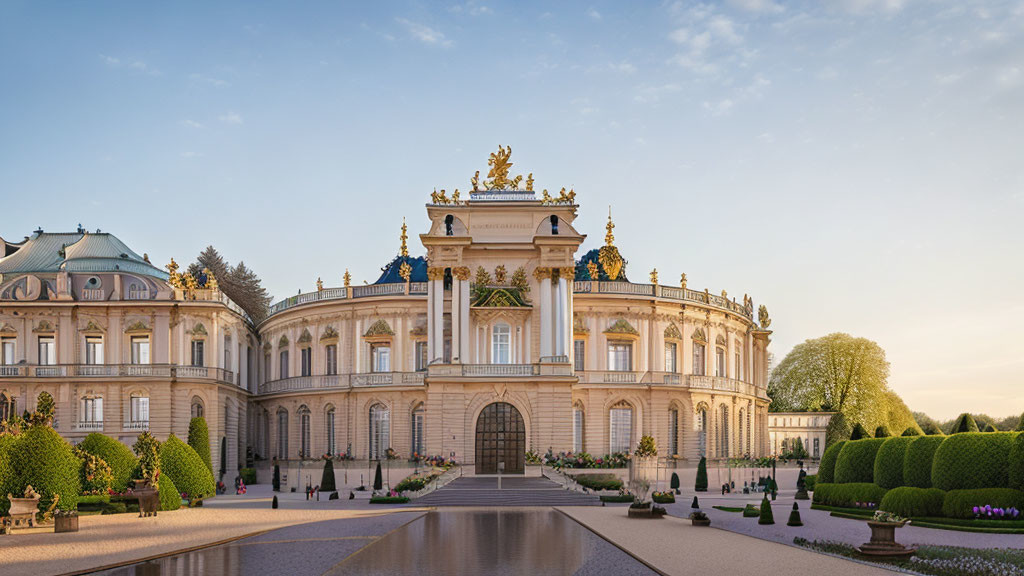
{"points": [[502, 339]]}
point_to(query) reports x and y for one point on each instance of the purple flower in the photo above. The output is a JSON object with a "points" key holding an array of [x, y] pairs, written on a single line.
{"points": [[975, 510]]}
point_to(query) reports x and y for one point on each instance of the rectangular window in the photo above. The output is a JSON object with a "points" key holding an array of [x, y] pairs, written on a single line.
{"points": [[673, 432], [447, 350], [306, 357], [94, 351], [7, 351], [381, 355], [719, 361], [331, 448], [421, 355], [47, 351], [620, 356], [501, 337], [284, 364], [266, 368], [817, 447], [579, 354], [670, 357], [698, 359], [332, 358], [621, 430], [577, 430], [139, 409], [737, 375], [198, 350], [140, 349], [417, 432], [91, 410]]}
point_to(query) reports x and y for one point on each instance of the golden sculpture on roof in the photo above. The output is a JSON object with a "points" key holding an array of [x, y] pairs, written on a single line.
{"points": [[211, 280], [762, 317], [404, 250], [592, 270], [319, 284], [174, 279], [682, 280], [608, 255], [529, 182], [347, 278], [405, 271], [500, 165], [475, 181], [654, 276]]}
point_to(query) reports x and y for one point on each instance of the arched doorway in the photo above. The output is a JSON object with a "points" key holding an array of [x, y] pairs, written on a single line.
{"points": [[500, 437]]}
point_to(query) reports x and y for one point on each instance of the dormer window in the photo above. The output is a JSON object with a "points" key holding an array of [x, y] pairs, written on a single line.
{"points": [[448, 229], [554, 225]]}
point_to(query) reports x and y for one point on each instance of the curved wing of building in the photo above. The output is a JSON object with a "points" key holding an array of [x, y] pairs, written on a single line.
{"points": [[503, 339]]}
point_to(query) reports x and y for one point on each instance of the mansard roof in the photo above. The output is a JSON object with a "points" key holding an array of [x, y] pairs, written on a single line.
{"points": [[390, 272], [80, 251]]}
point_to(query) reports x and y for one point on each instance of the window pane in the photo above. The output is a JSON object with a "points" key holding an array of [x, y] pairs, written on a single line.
{"points": [[579, 348], [500, 344], [47, 351], [670, 357], [381, 358], [577, 430], [93, 351], [621, 429]]}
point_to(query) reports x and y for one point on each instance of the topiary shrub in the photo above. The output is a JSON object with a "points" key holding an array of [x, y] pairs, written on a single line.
{"points": [[646, 448], [859, 432], [990, 428], [846, 495], [964, 423], [44, 460], [973, 460], [147, 450], [118, 456], [911, 432], [917, 461], [170, 498], [959, 503], [889, 461], [931, 429], [199, 439], [327, 480], [1016, 464], [701, 484], [766, 516], [827, 468], [276, 482], [378, 480], [599, 481], [908, 501], [188, 471], [882, 432], [810, 481], [248, 476], [94, 473], [856, 462], [674, 483], [7, 479]]}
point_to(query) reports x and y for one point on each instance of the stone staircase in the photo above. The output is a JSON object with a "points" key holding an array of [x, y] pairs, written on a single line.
{"points": [[515, 491]]}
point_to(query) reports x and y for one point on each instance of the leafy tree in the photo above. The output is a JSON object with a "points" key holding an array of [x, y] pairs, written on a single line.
{"points": [[238, 282], [859, 432], [1020, 424], [839, 373], [199, 439], [147, 450], [701, 485], [964, 423]]}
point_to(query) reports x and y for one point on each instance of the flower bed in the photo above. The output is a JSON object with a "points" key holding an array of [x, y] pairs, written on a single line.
{"points": [[598, 481], [585, 460], [663, 498]]}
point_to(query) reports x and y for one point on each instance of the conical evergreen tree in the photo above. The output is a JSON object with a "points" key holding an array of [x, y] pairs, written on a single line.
{"points": [[794, 516], [766, 512], [378, 480], [859, 432], [327, 481], [931, 429], [701, 485], [674, 483], [964, 423], [276, 483], [990, 428]]}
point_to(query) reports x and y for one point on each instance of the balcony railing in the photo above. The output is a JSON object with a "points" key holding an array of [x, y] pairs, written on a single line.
{"points": [[510, 370], [137, 426], [387, 379], [653, 378], [341, 381], [117, 371], [89, 426], [659, 291]]}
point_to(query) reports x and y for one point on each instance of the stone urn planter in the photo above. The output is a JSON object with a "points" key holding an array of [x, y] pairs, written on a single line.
{"points": [[699, 518], [645, 512], [883, 542]]}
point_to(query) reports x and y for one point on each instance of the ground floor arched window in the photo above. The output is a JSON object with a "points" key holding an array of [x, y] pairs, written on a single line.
{"points": [[379, 431], [198, 410], [700, 424], [418, 444], [330, 430], [673, 432], [620, 428], [578, 422], [282, 434], [723, 432], [304, 440]]}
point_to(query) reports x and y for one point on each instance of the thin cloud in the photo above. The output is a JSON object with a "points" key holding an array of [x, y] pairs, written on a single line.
{"points": [[425, 34], [125, 64], [231, 118], [192, 124]]}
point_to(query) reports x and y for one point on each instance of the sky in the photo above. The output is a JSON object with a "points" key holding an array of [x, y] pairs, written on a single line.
{"points": [[854, 165]]}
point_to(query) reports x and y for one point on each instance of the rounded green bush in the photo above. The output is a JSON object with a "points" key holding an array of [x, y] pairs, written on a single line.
{"points": [[856, 462], [827, 468], [170, 498], [118, 456], [958, 503], [889, 461], [846, 495], [44, 460], [908, 501], [1016, 464], [6, 471], [917, 462], [973, 460], [186, 468], [810, 481], [199, 439]]}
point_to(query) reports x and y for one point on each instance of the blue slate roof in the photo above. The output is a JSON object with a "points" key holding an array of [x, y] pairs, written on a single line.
{"points": [[83, 252], [389, 273]]}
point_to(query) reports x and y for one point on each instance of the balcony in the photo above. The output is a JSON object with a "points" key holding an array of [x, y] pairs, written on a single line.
{"points": [[387, 379], [117, 371], [89, 426], [137, 426], [659, 291], [690, 381], [341, 381], [510, 370]]}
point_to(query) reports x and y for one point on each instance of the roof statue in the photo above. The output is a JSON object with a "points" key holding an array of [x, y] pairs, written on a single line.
{"points": [[404, 250], [762, 317], [347, 278], [529, 182], [500, 165], [609, 255], [654, 276], [319, 284], [475, 181]]}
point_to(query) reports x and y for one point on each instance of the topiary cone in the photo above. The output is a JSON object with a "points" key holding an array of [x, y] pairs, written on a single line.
{"points": [[674, 484], [276, 482], [327, 480], [701, 485], [794, 516], [766, 512], [273, 504], [695, 505]]}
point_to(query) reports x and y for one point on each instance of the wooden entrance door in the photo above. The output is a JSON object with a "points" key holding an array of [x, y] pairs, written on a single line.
{"points": [[500, 437]]}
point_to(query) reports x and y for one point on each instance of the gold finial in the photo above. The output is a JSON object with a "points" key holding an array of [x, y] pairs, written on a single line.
{"points": [[654, 276], [592, 270], [347, 278], [405, 271], [608, 255], [529, 182], [404, 250], [762, 317], [173, 278], [682, 281], [319, 284], [609, 238]]}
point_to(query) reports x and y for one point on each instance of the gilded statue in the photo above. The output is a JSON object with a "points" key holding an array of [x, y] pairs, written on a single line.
{"points": [[347, 279], [529, 182], [174, 279], [654, 276], [211, 280], [319, 285], [608, 255], [475, 181], [571, 196], [545, 198], [593, 270], [762, 317], [455, 196], [500, 165], [405, 271], [682, 280], [500, 275]]}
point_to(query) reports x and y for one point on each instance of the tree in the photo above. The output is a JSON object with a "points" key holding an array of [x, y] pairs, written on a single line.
{"points": [[1020, 424], [701, 485], [327, 480], [964, 423], [766, 516], [199, 439], [674, 484], [838, 373], [238, 282], [859, 432], [882, 432], [378, 480], [276, 482]]}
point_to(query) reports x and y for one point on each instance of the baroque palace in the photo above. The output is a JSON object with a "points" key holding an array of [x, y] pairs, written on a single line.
{"points": [[501, 340]]}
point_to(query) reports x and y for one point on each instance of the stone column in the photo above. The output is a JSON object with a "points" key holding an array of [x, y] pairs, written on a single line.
{"points": [[561, 309], [544, 275], [461, 303], [456, 321], [436, 276]]}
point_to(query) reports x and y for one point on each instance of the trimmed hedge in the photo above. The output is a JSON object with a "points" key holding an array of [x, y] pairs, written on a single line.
{"points": [[599, 481], [1016, 472], [45, 460], [186, 468], [908, 501], [199, 439], [170, 498], [958, 503], [810, 481], [6, 471], [917, 461], [845, 495], [827, 468], [118, 456], [856, 462], [388, 500], [964, 423], [971, 460], [888, 471]]}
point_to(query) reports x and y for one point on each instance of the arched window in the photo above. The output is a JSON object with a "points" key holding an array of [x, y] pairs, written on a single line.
{"points": [[501, 344], [282, 434], [578, 422], [673, 431], [741, 438], [723, 432], [719, 361], [379, 431], [138, 408], [417, 444], [554, 224], [198, 410], [621, 428], [331, 445], [6, 407], [304, 447], [699, 363], [700, 424]]}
